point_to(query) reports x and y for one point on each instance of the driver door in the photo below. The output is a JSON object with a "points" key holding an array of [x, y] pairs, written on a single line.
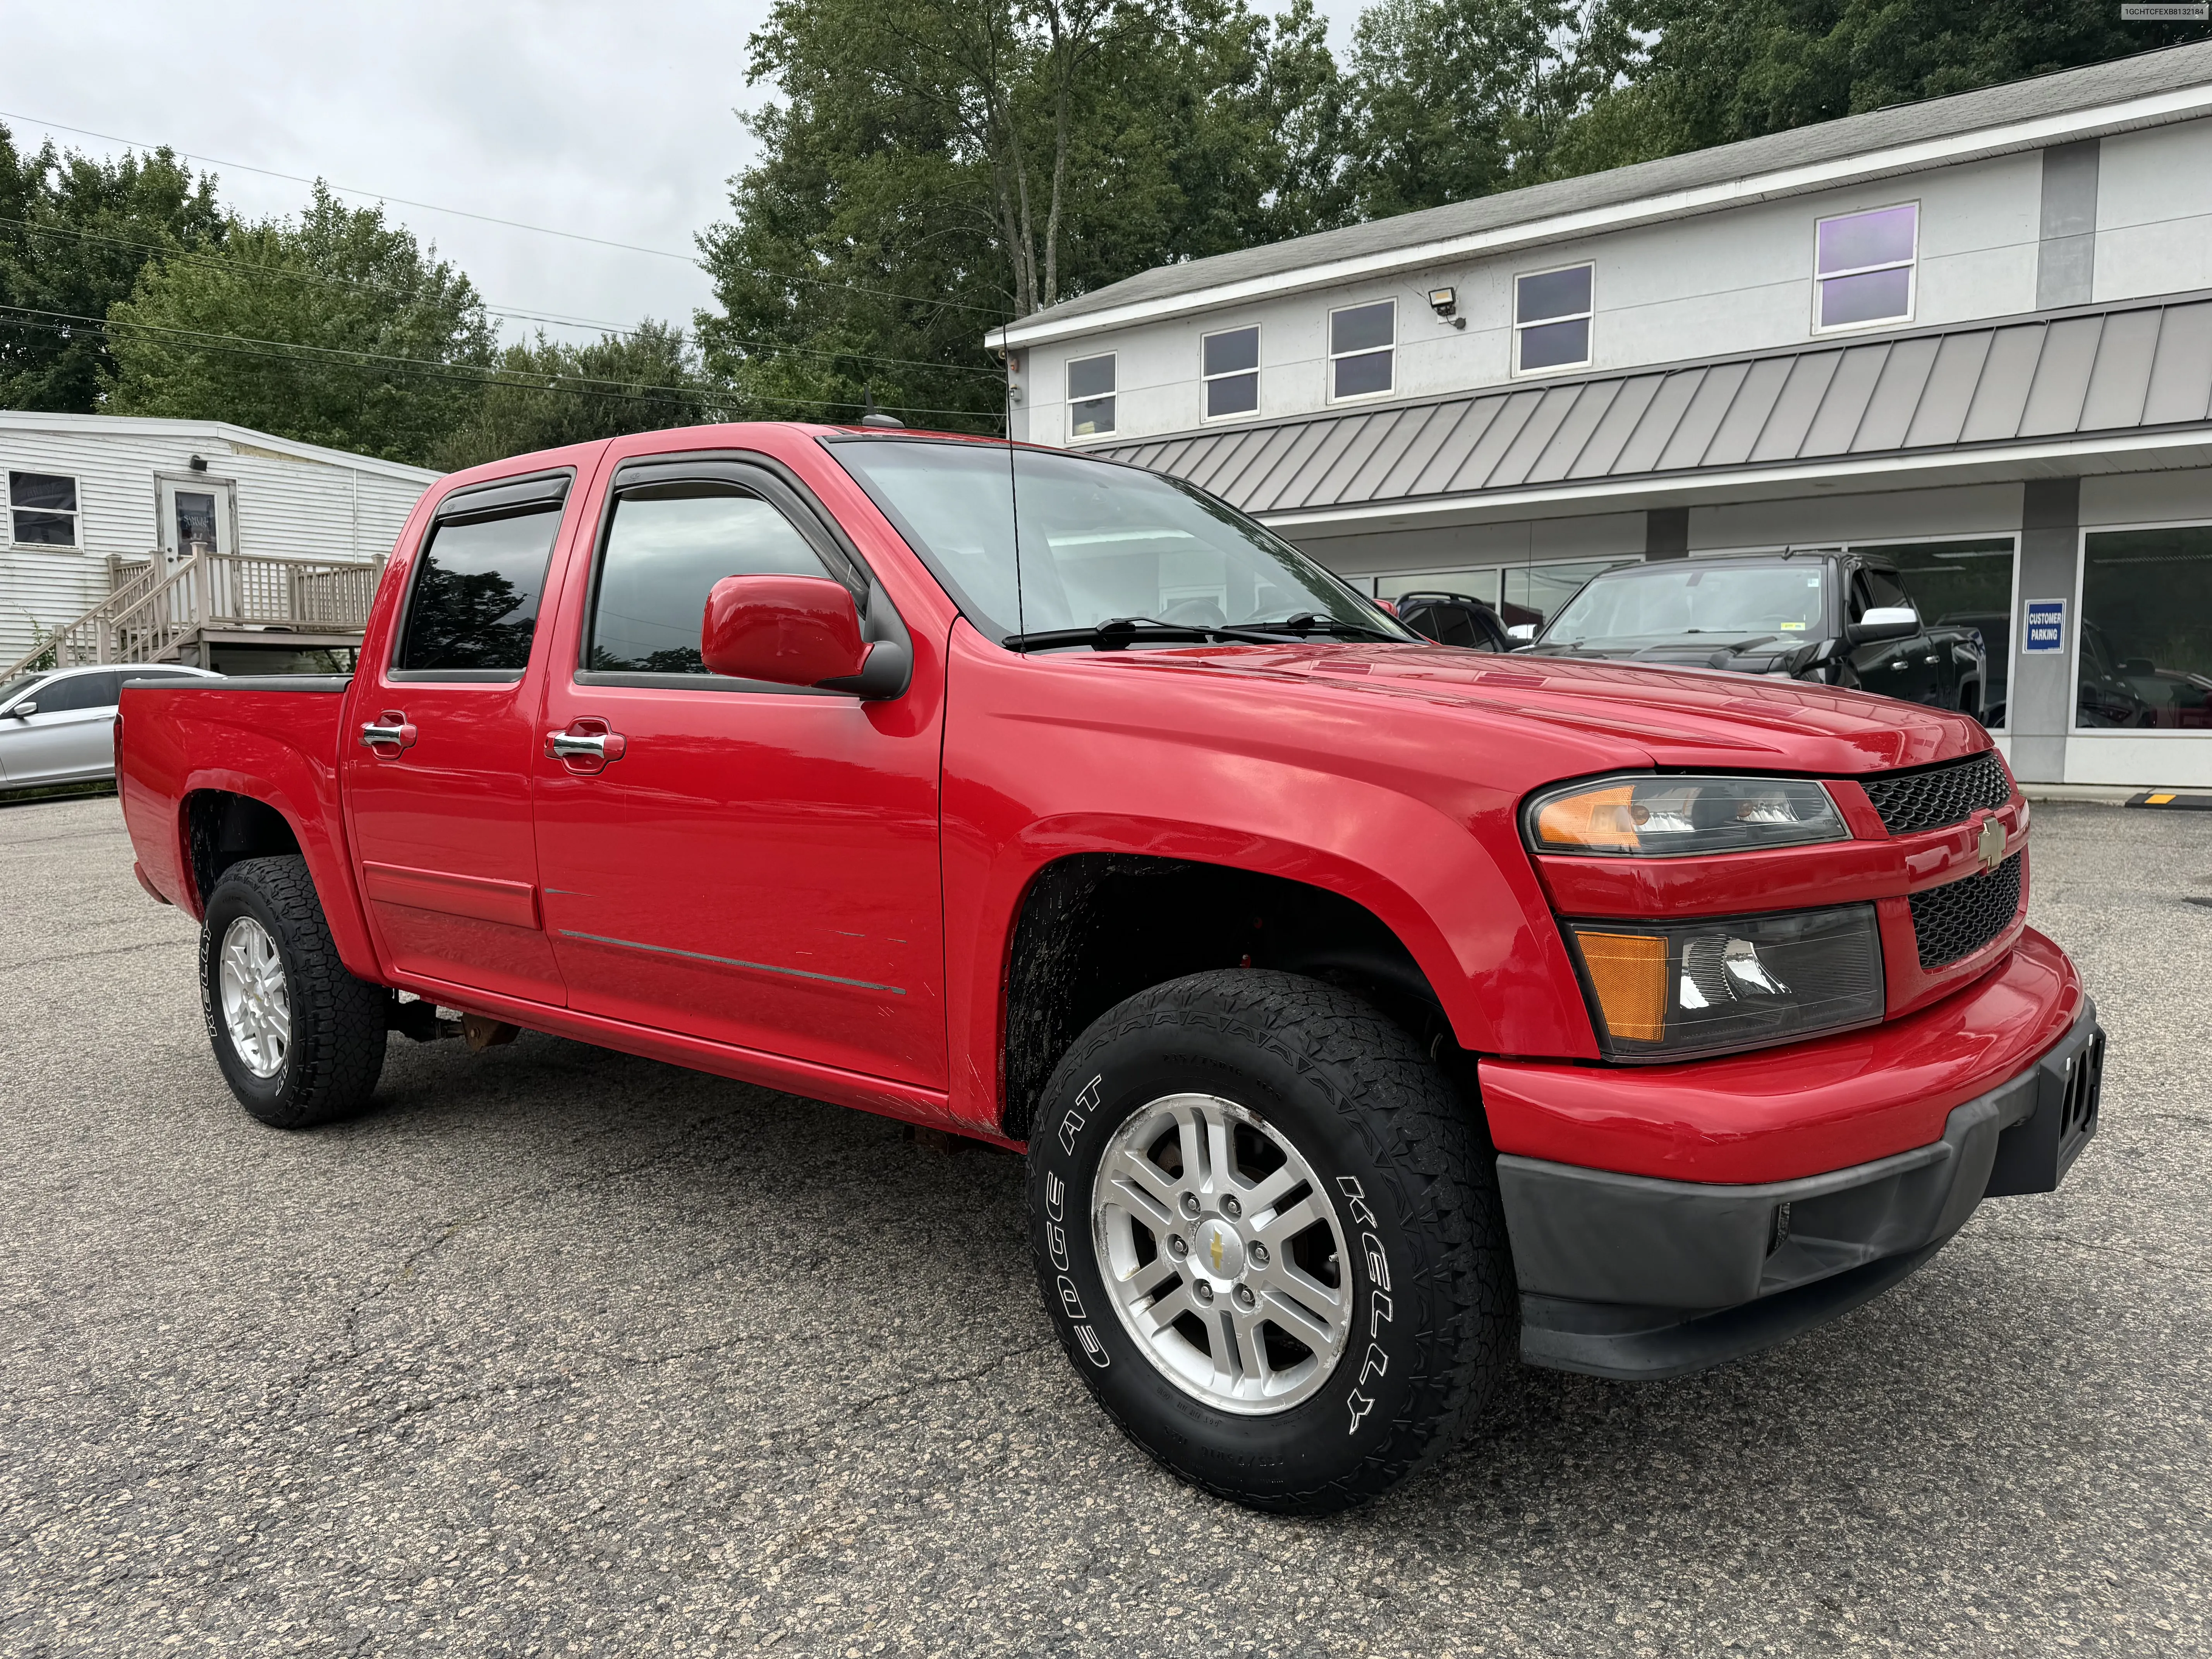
{"points": [[753, 864]]}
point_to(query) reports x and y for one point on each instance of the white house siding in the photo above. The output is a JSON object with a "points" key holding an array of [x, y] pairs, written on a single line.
{"points": [[311, 506], [2154, 212], [1715, 285]]}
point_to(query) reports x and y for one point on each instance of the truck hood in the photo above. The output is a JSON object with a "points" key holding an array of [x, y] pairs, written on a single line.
{"points": [[1662, 716]]}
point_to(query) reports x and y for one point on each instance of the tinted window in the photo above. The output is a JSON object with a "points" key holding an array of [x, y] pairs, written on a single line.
{"points": [[668, 546], [2146, 629], [1876, 590], [43, 508], [476, 589], [76, 691]]}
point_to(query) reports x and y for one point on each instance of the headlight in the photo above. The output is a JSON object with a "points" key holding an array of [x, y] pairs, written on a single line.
{"points": [[1664, 993], [1653, 816]]}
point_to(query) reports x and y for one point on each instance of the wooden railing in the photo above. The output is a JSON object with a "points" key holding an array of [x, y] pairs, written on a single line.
{"points": [[154, 612]]}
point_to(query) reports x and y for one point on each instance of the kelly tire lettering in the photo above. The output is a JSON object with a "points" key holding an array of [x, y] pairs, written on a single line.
{"points": [[1429, 1314]]}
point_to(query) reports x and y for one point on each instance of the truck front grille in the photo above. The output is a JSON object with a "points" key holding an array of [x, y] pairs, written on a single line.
{"points": [[1939, 795], [1958, 918]]}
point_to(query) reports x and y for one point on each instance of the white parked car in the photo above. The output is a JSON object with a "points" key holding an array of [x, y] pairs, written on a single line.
{"points": [[58, 726]]}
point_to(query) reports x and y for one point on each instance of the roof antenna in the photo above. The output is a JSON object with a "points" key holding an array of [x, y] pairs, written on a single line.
{"points": [[870, 415]]}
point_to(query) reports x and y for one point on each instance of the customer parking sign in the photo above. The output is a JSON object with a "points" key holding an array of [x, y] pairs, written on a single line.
{"points": [[2046, 624]]}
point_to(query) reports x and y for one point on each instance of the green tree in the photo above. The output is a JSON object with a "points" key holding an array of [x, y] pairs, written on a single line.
{"points": [[1457, 99], [545, 393], [76, 232], [933, 167], [336, 328], [1718, 70]]}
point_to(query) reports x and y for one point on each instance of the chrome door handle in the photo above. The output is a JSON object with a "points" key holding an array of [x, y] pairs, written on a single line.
{"points": [[589, 746], [394, 729]]}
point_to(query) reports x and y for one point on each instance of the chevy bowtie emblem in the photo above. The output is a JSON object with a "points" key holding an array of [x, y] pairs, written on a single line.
{"points": [[1989, 845], [1216, 1249]]}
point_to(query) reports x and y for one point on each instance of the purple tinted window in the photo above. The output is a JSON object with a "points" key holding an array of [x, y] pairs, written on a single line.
{"points": [[1551, 293], [1869, 297], [1881, 238], [1550, 346]]}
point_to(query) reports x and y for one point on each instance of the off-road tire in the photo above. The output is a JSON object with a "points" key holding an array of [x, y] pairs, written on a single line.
{"points": [[1371, 1116], [339, 1022]]}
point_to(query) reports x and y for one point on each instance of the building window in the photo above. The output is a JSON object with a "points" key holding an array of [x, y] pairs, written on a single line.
{"points": [[1231, 361], [1864, 267], [1090, 396], [2145, 651], [42, 509], [1551, 320], [1360, 338]]}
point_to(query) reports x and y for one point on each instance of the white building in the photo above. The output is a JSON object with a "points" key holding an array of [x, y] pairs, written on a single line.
{"points": [[1976, 331], [95, 501]]}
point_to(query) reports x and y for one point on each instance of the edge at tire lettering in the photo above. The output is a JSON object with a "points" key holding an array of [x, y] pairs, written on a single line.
{"points": [[1086, 1102]]}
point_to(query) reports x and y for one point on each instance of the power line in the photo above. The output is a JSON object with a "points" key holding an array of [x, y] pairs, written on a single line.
{"points": [[185, 256], [239, 345], [492, 219]]}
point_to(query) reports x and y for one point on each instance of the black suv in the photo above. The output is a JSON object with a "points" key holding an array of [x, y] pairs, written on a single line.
{"points": [[1453, 619], [1838, 618]]}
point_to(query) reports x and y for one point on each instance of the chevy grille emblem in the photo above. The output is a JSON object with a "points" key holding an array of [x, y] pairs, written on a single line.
{"points": [[1989, 845]]}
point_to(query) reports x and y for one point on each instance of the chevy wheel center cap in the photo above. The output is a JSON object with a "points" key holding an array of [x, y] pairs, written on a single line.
{"points": [[1990, 846], [1216, 1248]]}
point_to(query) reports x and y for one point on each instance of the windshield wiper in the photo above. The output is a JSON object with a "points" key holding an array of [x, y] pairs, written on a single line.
{"points": [[1117, 632], [1312, 622]]}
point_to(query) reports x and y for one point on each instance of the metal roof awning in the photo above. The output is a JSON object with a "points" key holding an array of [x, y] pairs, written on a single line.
{"points": [[1981, 390]]}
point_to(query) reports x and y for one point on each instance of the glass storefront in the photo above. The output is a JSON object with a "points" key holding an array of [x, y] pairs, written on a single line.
{"points": [[2146, 635], [1964, 585]]}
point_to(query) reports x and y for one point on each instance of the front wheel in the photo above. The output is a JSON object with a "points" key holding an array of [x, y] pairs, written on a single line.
{"points": [[299, 1039], [1270, 1237]]}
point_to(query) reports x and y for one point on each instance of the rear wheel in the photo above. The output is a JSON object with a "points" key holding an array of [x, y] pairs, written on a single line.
{"points": [[1270, 1237], [299, 1039]]}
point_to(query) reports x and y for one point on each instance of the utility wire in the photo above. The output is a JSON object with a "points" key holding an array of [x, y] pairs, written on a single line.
{"points": [[186, 255], [239, 345], [492, 219]]}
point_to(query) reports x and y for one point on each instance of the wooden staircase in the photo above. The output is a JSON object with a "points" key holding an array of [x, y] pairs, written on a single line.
{"points": [[157, 611]]}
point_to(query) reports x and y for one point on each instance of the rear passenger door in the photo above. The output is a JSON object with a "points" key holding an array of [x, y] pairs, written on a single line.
{"points": [[753, 864], [437, 759]]}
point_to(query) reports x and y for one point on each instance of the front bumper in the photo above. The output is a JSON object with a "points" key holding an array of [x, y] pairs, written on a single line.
{"points": [[1634, 1276]]}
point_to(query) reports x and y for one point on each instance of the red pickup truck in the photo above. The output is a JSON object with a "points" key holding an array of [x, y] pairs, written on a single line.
{"points": [[1364, 1004]]}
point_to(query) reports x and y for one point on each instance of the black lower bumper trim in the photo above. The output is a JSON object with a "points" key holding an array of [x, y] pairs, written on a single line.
{"points": [[1630, 1276], [1653, 1354]]}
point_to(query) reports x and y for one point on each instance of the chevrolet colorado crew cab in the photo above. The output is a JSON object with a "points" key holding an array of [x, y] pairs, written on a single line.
{"points": [[1368, 1009]]}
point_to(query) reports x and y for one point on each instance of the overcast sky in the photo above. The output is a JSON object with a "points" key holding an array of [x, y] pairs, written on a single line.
{"points": [[613, 121]]}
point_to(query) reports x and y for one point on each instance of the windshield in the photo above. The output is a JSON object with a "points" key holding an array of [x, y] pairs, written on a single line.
{"points": [[1650, 602], [1099, 543], [16, 687]]}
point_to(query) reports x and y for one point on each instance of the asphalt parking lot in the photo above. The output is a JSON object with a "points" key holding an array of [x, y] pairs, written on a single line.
{"points": [[561, 1351]]}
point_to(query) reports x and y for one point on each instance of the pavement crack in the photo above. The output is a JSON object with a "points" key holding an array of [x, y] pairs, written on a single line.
{"points": [[87, 955], [2163, 1264], [858, 1408]]}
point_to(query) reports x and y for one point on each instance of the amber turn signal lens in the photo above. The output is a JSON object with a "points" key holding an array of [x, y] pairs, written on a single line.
{"points": [[1595, 817], [1628, 971]]}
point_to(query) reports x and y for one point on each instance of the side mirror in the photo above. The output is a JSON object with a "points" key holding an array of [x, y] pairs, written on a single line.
{"points": [[1884, 621], [796, 631], [1521, 631], [23, 711]]}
